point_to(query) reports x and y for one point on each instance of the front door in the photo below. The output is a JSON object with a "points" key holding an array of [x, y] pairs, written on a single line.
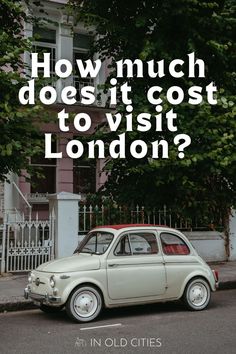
{"points": [[135, 267]]}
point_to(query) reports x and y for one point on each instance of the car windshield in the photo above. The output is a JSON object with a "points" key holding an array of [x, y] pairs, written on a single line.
{"points": [[96, 242]]}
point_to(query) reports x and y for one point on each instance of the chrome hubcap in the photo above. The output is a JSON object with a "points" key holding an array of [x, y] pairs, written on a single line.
{"points": [[85, 304], [198, 294]]}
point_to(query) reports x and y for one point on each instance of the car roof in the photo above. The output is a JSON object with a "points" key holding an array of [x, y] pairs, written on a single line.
{"points": [[124, 226]]}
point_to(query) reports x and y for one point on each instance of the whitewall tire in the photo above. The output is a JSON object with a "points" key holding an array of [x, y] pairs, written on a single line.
{"points": [[84, 304], [197, 294]]}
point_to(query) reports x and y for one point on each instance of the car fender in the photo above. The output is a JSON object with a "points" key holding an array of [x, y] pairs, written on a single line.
{"points": [[77, 282], [199, 274]]}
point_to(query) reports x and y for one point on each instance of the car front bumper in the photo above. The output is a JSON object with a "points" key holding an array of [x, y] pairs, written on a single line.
{"points": [[42, 299]]}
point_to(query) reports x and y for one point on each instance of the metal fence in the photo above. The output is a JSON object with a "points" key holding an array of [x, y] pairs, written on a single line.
{"points": [[91, 216], [2, 248], [1, 200], [25, 244]]}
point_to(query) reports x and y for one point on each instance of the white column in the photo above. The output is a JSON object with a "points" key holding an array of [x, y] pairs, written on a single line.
{"points": [[232, 236], [66, 208], [64, 50], [100, 80]]}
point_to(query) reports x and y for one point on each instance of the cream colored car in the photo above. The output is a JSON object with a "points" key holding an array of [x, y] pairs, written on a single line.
{"points": [[123, 265]]}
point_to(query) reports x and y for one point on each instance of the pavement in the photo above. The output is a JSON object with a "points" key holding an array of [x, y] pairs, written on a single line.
{"points": [[12, 286]]}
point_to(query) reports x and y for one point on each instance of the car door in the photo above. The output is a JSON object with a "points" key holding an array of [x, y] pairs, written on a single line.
{"points": [[179, 261], [135, 267]]}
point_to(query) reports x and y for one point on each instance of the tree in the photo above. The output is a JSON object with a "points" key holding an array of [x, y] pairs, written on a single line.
{"points": [[19, 133], [204, 182]]}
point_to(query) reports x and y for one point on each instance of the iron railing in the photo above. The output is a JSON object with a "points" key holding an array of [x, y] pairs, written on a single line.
{"points": [[91, 216]]}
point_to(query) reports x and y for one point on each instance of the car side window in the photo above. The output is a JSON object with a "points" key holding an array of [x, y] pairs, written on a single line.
{"points": [[136, 244], [123, 247], [173, 245], [143, 243]]}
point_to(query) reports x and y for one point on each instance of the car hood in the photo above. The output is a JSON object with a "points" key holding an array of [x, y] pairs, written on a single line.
{"points": [[75, 263]]}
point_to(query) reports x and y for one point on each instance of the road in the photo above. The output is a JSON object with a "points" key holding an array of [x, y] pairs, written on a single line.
{"points": [[160, 328]]}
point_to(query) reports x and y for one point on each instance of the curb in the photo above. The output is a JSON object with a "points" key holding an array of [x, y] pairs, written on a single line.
{"points": [[227, 285], [16, 305]]}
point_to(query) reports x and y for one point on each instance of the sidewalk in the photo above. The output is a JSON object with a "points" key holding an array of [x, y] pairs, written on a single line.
{"points": [[12, 287]]}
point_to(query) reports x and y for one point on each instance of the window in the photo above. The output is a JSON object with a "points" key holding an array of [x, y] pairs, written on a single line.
{"points": [[143, 243], [136, 244], [123, 247], [95, 242], [84, 176], [81, 46], [46, 168], [45, 42], [173, 245]]}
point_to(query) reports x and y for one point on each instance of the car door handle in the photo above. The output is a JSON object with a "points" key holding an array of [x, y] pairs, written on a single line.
{"points": [[112, 265]]}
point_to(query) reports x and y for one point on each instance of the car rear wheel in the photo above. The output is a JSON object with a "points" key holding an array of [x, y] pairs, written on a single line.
{"points": [[197, 294], [84, 304], [50, 309]]}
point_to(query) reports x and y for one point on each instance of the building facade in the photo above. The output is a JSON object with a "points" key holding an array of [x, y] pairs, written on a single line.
{"points": [[54, 33]]}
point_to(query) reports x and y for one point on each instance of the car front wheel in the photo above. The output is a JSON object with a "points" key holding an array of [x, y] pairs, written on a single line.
{"points": [[197, 294], [84, 304]]}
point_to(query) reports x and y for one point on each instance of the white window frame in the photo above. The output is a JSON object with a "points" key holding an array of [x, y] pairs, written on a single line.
{"points": [[52, 47], [78, 82]]}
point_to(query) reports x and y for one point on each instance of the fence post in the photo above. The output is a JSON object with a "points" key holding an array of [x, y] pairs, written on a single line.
{"points": [[3, 262], [232, 236], [65, 207]]}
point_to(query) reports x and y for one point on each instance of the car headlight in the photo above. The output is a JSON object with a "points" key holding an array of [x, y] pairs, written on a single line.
{"points": [[30, 278], [52, 281]]}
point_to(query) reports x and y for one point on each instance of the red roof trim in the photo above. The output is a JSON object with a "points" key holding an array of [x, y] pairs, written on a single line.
{"points": [[123, 226]]}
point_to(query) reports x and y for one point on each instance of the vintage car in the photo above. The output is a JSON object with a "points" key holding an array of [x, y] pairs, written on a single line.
{"points": [[122, 265]]}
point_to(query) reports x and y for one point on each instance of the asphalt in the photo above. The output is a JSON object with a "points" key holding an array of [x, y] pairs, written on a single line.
{"points": [[12, 287], [151, 329]]}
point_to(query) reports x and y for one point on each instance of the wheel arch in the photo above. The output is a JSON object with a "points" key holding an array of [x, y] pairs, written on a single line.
{"points": [[191, 277], [83, 282], [91, 285]]}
